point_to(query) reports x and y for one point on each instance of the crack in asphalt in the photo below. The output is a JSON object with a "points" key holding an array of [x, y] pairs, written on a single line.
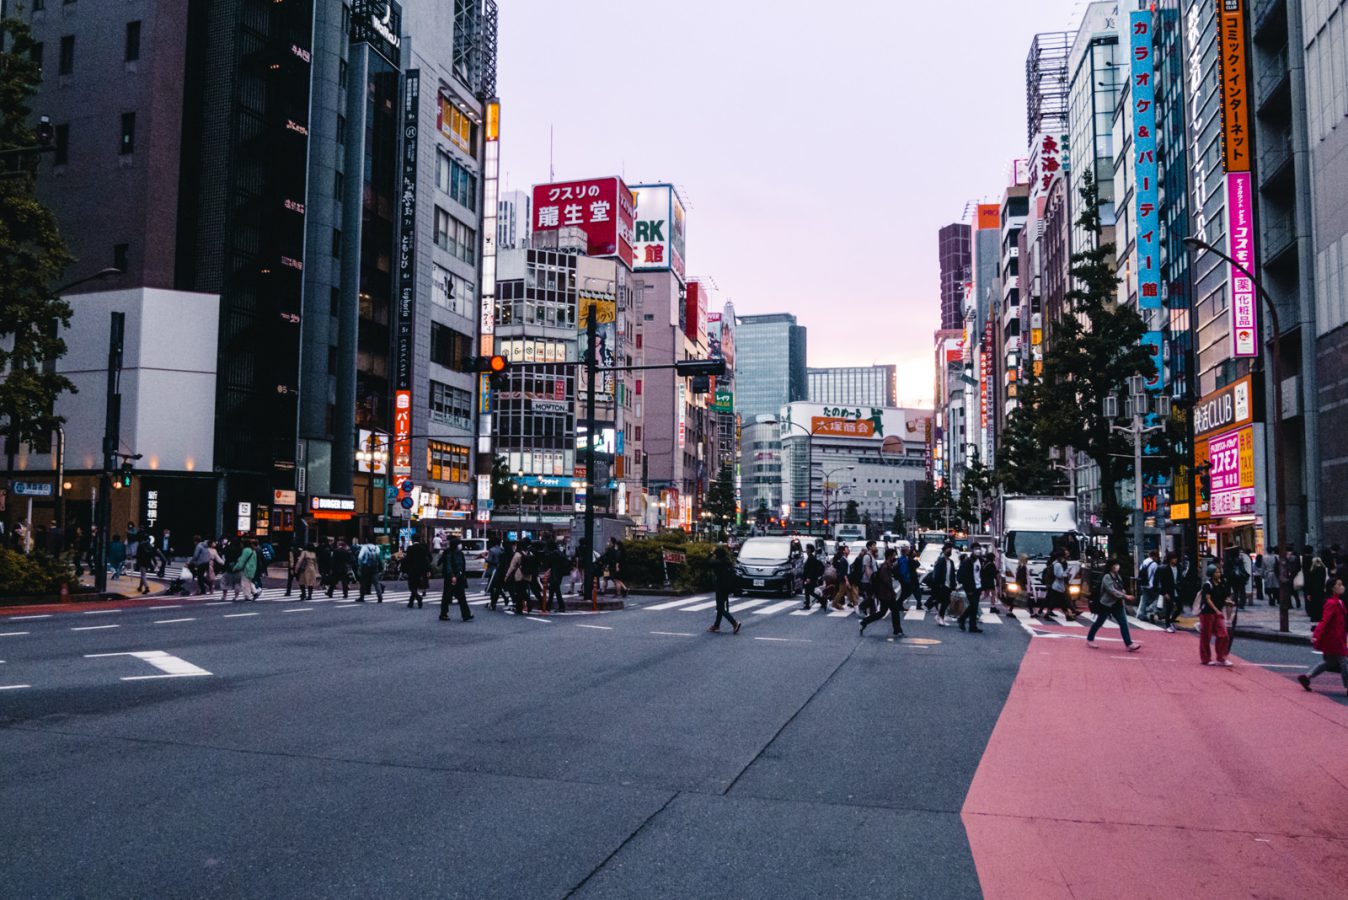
{"points": [[618, 849]]}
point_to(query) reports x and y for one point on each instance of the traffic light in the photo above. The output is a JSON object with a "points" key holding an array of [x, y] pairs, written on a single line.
{"points": [[701, 384], [123, 479], [688, 367], [494, 365]]}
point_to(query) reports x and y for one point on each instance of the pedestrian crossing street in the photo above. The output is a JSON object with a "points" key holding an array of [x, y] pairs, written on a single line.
{"points": [[755, 608]]}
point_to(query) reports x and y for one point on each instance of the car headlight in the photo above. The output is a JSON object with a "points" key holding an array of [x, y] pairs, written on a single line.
{"points": [[1012, 587], [1074, 589]]}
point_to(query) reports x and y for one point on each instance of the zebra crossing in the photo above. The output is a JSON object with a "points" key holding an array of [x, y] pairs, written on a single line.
{"points": [[757, 608]]}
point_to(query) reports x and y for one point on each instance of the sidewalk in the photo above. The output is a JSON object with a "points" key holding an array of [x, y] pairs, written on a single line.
{"points": [[1260, 621]]}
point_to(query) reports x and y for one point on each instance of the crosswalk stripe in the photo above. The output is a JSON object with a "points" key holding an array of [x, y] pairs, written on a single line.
{"points": [[989, 617], [699, 607], [915, 615], [742, 605], [777, 607], [672, 604], [838, 613], [814, 608], [1144, 626]]}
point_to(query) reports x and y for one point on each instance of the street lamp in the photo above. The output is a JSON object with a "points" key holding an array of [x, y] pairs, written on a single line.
{"points": [[809, 463], [1195, 245]]}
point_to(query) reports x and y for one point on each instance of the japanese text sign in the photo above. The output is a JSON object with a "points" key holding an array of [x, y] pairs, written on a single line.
{"points": [[602, 208], [1235, 85], [660, 226], [1232, 474], [1147, 192], [1240, 237]]}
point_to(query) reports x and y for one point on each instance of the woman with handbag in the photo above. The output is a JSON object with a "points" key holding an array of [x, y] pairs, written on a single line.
{"points": [[1330, 638], [306, 572]]}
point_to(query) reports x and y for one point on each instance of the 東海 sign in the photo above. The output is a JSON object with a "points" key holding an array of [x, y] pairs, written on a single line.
{"points": [[600, 207]]}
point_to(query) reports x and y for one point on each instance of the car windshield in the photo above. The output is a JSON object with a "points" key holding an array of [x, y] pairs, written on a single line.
{"points": [[765, 550], [1040, 544]]}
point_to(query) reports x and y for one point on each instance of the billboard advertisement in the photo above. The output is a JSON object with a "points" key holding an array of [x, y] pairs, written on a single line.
{"points": [[1231, 56], [605, 312], [695, 313], [1147, 192], [1240, 246], [661, 223], [600, 207], [989, 216], [1232, 474]]}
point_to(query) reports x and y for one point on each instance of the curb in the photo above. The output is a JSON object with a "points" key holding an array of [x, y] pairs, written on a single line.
{"points": [[1273, 637]]}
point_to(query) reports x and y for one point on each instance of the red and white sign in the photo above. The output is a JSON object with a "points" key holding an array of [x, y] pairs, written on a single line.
{"points": [[603, 208], [1240, 240], [402, 432]]}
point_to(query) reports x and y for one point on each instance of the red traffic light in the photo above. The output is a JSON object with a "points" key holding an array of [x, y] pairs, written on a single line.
{"points": [[496, 363]]}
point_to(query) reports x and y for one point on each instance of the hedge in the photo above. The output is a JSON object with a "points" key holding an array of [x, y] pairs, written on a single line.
{"points": [[643, 566], [30, 576]]}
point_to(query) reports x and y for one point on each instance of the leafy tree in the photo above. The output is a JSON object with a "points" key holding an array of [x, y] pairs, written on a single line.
{"points": [[1096, 348], [869, 526], [931, 509], [852, 514], [977, 483], [720, 499], [1023, 465], [32, 257], [502, 488], [898, 524]]}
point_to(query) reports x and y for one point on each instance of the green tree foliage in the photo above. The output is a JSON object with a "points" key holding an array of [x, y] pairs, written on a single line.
{"points": [[932, 505], [898, 524], [1023, 465], [720, 499], [32, 258], [977, 484], [852, 514], [1095, 349], [502, 489]]}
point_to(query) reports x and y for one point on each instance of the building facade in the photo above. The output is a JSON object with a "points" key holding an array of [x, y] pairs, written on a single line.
{"points": [[854, 385], [954, 256]]}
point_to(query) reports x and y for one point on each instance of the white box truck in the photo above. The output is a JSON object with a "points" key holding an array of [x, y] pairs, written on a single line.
{"points": [[1035, 527]]}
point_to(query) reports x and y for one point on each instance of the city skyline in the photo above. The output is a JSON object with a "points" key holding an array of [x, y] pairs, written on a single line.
{"points": [[728, 160]]}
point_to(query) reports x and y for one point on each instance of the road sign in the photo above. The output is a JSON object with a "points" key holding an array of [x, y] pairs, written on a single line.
{"points": [[390, 493], [407, 503], [406, 486], [674, 556], [33, 488]]}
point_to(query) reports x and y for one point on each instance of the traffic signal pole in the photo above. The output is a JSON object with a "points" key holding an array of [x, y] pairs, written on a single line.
{"points": [[591, 371], [112, 427]]}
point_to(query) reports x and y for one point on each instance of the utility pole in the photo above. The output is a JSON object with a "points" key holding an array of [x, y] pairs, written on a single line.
{"points": [[591, 372], [1137, 431], [112, 427]]}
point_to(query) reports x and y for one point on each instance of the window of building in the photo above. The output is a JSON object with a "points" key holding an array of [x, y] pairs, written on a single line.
{"points": [[66, 64], [61, 155], [446, 462], [451, 292], [128, 145], [336, 242], [451, 406], [334, 301], [341, 72], [449, 348], [36, 55], [119, 256], [338, 182], [341, 129], [455, 179], [456, 126], [442, 229], [443, 170], [132, 41]]}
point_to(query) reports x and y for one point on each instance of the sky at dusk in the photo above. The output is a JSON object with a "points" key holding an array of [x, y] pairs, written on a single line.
{"points": [[817, 146]]}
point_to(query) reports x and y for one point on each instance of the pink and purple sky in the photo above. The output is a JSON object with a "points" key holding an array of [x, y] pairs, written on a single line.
{"points": [[817, 146]]}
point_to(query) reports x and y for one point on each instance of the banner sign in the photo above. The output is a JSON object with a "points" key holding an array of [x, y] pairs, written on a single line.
{"points": [[407, 238], [402, 432], [660, 227], [602, 208], [1232, 474], [1240, 246], [1154, 343], [1146, 190], [1231, 56]]}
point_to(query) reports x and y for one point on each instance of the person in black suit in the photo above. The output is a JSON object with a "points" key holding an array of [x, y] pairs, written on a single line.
{"points": [[1168, 591], [724, 574], [456, 581], [416, 566], [943, 582]]}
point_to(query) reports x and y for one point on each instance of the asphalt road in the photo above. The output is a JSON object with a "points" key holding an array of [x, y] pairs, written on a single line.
{"points": [[371, 750]]}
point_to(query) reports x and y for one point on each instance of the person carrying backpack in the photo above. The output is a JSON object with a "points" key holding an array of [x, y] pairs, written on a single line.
{"points": [[814, 575], [146, 557], [368, 566], [245, 570], [1146, 583], [1054, 579], [856, 574], [515, 580]]}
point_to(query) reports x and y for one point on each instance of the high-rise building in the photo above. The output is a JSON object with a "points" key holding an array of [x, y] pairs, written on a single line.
{"points": [[512, 220], [180, 157], [721, 345], [955, 258], [1096, 71], [1011, 331], [1046, 84], [854, 385], [770, 367]]}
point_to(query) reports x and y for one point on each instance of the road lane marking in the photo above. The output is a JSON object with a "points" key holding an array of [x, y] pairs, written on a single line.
{"points": [[786, 640], [94, 627], [742, 605], [173, 606], [538, 620], [171, 666], [29, 618], [12, 633], [845, 611], [217, 603], [915, 615], [673, 633], [100, 612], [777, 607], [699, 607], [239, 615], [171, 621], [13, 687], [595, 627], [301, 609]]}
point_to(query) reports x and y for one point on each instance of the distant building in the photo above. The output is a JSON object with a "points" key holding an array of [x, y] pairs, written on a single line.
{"points": [[769, 364], [956, 257], [513, 215], [854, 385]]}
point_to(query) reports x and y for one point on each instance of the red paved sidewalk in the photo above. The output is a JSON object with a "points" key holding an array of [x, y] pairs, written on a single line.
{"points": [[1147, 775]]}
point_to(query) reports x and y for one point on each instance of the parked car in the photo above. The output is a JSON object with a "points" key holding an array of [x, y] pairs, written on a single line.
{"points": [[475, 552], [767, 564]]}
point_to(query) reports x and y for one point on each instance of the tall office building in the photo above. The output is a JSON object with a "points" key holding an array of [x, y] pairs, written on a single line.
{"points": [[512, 220], [1096, 71], [769, 364], [1046, 84], [955, 258], [854, 385]]}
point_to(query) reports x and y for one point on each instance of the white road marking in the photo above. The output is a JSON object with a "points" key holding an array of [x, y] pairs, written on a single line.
{"points": [[171, 621], [538, 620], [915, 615], [595, 627], [747, 604], [777, 607], [12, 633], [990, 618], [786, 640], [1276, 665], [216, 603], [673, 633], [13, 687], [699, 607], [29, 618], [100, 612], [175, 606], [94, 627], [239, 615], [671, 604], [808, 612], [170, 665], [301, 609], [839, 613]]}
